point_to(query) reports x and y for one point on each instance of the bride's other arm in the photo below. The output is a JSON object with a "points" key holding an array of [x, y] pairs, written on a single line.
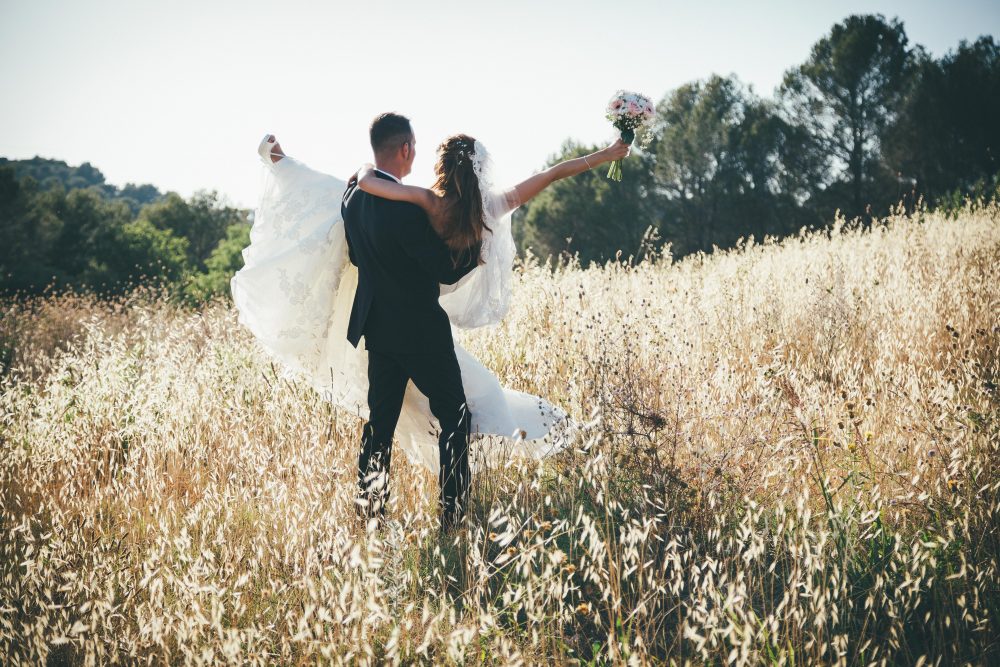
{"points": [[269, 148], [386, 189], [531, 186]]}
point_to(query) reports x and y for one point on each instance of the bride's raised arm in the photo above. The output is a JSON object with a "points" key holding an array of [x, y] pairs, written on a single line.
{"points": [[534, 184]]}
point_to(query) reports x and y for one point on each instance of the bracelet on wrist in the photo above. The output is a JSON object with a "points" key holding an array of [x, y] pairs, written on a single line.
{"points": [[587, 161]]}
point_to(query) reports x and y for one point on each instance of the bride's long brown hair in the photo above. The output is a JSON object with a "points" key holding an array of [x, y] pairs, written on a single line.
{"points": [[463, 222]]}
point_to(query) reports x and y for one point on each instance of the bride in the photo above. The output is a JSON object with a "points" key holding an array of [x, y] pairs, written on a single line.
{"points": [[296, 288]]}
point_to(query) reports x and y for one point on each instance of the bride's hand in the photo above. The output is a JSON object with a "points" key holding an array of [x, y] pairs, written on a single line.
{"points": [[366, 169], [269, 148], [619, 150]]}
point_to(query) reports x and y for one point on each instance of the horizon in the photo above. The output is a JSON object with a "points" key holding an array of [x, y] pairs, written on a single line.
{"points": [[180, 103]]}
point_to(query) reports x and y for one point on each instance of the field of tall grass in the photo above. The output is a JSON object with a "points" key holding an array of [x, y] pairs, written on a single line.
{"points": [[790, 455]]}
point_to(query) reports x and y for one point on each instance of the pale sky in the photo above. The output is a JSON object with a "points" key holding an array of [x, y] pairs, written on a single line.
{"points": [[178, 93]]}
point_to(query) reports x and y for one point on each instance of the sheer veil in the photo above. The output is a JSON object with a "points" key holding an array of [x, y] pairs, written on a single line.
{"points": [[483, 296]]}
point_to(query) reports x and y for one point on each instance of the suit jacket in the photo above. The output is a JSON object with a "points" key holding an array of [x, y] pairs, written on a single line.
{"points": [[401, 263]]}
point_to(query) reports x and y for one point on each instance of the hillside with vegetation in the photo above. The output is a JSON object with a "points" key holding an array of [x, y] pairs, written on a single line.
{"points": [[788, 453]]}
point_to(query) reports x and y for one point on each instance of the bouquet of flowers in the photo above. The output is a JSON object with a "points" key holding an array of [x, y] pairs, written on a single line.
{"points": [[628, 112]]}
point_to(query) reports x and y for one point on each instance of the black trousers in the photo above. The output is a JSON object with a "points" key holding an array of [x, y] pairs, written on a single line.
{"points": [[437, 376]]}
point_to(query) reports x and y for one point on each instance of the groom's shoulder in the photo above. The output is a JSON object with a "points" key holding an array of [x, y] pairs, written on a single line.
{"points": [[351, 196], [402, 212], [405, 216]]}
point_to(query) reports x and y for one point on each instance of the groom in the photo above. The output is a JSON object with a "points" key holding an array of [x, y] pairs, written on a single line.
{"points": [[401, 262]]}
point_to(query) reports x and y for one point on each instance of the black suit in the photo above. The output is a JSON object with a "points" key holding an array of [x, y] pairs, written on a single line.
{"points": [[401, 262]]}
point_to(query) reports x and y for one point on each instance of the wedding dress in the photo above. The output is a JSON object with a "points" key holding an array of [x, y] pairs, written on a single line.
{"points": [[295, 293]]}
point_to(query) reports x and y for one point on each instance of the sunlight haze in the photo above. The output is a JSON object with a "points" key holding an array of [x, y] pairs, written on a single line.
{"points": [[179, 94]]}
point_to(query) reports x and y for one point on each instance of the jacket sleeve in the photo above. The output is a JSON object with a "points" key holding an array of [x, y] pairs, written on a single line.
{"points": [[419, 241], [343, 216]]}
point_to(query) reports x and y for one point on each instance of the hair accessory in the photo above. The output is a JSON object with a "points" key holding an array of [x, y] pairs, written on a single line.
{"points": [[463, 153]]}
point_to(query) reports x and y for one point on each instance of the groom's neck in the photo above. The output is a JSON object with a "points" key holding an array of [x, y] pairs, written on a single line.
{"points": [[389, 168]]}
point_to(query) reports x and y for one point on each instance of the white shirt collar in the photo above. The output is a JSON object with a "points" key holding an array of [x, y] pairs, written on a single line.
{"points": [[388, 174]]}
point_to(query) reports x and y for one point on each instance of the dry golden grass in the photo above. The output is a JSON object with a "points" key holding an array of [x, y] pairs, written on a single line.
{"points": [[791, 458]]}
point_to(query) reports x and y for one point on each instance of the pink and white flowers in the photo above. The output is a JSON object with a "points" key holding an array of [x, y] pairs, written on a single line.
{"points": [[628, 112]]}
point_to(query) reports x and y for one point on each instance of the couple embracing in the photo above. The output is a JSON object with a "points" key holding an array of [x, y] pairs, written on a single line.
{"points": [[332, 263]]}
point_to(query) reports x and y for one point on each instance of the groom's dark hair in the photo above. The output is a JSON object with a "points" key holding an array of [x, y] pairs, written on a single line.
{"points": [[389, 131]]}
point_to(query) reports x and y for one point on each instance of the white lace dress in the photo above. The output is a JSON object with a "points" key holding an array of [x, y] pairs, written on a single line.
{"points": [[295, 294]]}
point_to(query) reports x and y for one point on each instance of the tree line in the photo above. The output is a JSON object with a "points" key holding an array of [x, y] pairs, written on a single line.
{"points": [[65, 227], [865, 124], [868, 122]]}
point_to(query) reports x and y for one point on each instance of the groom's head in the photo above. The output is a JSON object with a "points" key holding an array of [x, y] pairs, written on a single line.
{"points": [[393, 143]]}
